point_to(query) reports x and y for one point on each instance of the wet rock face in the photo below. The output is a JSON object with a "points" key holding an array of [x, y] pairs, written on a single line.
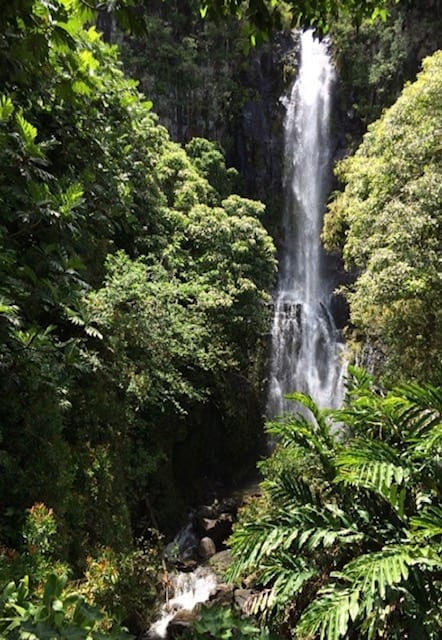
{"points": [[257, 132], [181, 621], [204, 535], [219, 529]]}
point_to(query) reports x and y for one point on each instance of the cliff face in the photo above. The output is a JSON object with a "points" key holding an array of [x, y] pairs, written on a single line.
{"points": [[374, 61], [202, 83]]}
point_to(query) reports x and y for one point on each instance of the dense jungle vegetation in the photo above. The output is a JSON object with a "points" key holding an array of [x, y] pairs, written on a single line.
{"points": [[138, 233]]}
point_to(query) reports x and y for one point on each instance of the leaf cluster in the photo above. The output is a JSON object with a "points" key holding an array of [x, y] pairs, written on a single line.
{"points": [[132, 285], [387, 223], [264, 16], [57, 614], [345, 539]]}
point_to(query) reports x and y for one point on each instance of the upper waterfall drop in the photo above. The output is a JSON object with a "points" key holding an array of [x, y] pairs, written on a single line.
{"points": [[306, 345]]}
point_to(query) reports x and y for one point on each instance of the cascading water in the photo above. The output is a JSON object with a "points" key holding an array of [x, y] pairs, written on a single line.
{"points": [[188, 590], [306, 345]]}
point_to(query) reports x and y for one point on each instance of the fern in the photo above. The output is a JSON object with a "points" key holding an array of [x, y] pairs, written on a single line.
{"points": [[372, 537], [376, 466], [421, 409], [288, 488], [288, 576], [362, 589], [428, 524], [6, 107], [300, 529], [319, 416], [329, 615], [300, 431]]}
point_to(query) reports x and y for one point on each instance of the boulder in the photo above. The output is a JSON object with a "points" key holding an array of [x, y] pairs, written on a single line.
{"points": [[181, 621], [206, 548], [219, 529], [223, 594], [186, 566], [220, 561], [242, 597]]}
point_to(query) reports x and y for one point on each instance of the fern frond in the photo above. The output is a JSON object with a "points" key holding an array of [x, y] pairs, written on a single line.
{"points": [[361, 589], [287, 577], [323, 527], [429, 442], [297, 430], [301, 528], [260, 603], [364, 416], [421, 409], [376, 466], [287, 489], [319, 415], [358, 381], [252, 542], [6, 107], [428, 524], [328, 617]]}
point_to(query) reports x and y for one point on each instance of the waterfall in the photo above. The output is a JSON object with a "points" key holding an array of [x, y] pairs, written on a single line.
{"points": [[188, 589], [306, 345]]}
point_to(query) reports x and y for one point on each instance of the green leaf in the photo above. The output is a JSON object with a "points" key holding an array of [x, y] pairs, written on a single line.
{"points": [[26, 130], [6, 107]]}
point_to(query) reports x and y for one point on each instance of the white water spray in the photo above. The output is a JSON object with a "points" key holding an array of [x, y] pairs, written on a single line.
{"points": [[306, 346], [188, 589]]}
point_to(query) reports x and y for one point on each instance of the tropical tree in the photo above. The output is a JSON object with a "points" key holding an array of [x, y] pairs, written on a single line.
{"points": [[387, 224], [345, 539], [99, 369]]}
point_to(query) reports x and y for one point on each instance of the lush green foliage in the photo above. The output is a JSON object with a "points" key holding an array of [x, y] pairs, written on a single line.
{"points": [[265, 15], [387, 223], [222, 622], [132, 299], [189, 67], [374, 60], [345, 540], [56, 614]]}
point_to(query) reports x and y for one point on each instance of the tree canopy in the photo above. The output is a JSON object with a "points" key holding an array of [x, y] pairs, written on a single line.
{"points": [[263, 16], [387, 222], [133, 287]]}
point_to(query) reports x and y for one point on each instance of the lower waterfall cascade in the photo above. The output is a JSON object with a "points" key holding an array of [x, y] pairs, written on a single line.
{"points": [[189, 589], [307, 348]]}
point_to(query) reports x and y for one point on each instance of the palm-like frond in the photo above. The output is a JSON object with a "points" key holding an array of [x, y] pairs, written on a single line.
{"points": [[428, 524], [319, 416], [376, 466], [297, 430], [323, 527], [371, 496], [421, 409], [311, 433], [287, 575], [254, 541], [365, 586], [358, 382], [288, 489], [428, 443], [300, 529]]}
